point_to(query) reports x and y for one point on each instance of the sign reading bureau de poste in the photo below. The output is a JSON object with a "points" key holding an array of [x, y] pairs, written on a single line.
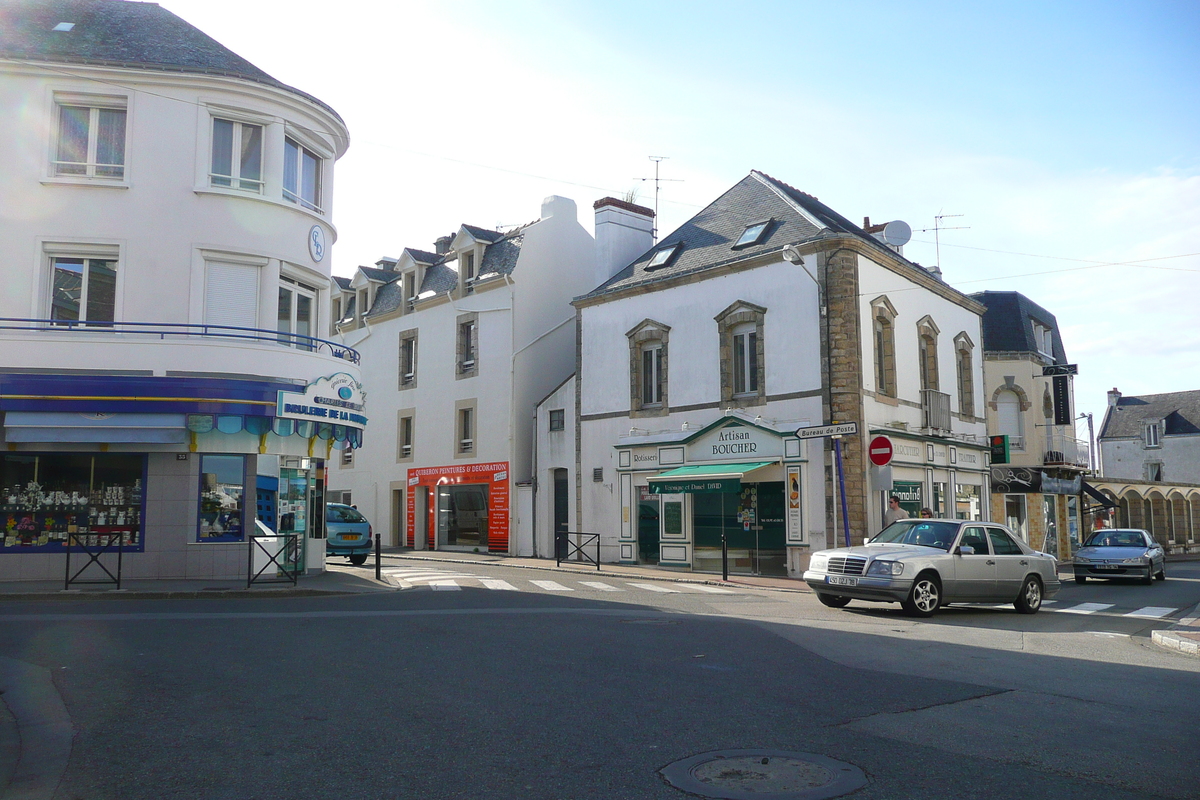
{"points": [[337, 399], [822, 431]]}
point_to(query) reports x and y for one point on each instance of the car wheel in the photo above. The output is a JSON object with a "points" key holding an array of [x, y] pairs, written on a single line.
{"points": [[833, 600], [1030, 598], [1081, 578], [924, 597], [1149, 579], [358, 559]]}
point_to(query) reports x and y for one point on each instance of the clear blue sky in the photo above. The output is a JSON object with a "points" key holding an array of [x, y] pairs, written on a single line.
{"points": [[1065, 133]]}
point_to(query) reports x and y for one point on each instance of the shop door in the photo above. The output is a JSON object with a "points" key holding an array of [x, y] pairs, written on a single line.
{"points": [[398, 516], [561, 502], [421, 518], [294, 511], [649, 512], [752, 521]]}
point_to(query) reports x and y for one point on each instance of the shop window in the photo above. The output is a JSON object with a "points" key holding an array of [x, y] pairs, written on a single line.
{"points": [[91, 138], [558, 418], [301, 176], [968, 501], [237, 156], [222, 498], [740, 332], [83, 290], [463, 515], [1015, 516], [44, 498]]}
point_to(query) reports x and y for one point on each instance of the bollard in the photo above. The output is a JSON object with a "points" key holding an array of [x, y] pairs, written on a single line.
{"points": [[378, 565], [724, 557]]}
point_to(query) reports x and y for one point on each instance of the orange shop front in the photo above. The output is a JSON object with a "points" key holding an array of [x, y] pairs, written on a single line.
{"points": [[459, 507]]}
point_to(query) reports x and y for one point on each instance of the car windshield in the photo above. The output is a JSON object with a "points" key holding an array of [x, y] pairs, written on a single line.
{"points": [[1116, 539], [918, 531], [343, 514]]}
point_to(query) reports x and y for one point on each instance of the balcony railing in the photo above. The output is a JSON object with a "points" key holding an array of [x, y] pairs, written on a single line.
{"points": [[935, 410], [1063, 449], [178, 330]]}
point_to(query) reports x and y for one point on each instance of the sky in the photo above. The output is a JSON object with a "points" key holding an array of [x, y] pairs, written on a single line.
{"points": [[1066, 135]]}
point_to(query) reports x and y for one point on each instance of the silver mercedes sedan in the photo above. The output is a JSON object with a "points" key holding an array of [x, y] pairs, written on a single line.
{"points": [[1120, 553], [924, 564]]}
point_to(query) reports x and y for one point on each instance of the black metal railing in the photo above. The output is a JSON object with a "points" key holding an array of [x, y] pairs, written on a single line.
{"points": [[181, 330], [93, 552], [567, 550], [286, 555]]}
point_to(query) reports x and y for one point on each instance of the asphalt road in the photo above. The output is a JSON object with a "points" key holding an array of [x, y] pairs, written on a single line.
{"points": [[467, 691]]}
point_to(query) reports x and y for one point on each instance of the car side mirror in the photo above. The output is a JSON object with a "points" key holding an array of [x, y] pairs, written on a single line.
{"points": [[964, 550]]}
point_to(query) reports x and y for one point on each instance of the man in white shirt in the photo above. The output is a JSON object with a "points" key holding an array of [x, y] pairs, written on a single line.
{"points": [[894, 512]]}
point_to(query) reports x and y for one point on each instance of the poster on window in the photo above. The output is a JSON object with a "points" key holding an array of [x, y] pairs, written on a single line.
{"points": [[795, 506]]}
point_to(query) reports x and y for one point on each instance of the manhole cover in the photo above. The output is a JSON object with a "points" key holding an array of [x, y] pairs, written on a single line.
{"points": [[764, 775]]}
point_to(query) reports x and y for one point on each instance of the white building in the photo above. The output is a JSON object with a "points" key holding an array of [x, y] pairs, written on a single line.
{"points": [[700, 358], [458, 346], [1152, 437], [167, 218]]}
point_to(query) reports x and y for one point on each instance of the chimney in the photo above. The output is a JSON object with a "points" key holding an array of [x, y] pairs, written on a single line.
{"points": [[1113, 398], [441, 245], [556, 206], [623, 232]]}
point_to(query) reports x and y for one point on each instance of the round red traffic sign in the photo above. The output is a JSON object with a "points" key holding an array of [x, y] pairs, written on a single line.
{"points": [[880, 451]]}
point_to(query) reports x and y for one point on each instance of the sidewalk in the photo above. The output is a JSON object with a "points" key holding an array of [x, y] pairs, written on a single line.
{"points": [[1183, 636], [330, 582], [780, 584]]}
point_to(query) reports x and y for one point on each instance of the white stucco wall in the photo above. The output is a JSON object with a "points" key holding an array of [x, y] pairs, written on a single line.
{"points": [[553, 450], [1127, 458]]}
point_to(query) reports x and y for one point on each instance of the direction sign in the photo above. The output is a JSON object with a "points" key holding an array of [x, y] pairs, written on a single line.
{"points": [[822, 431], [880, 451]]}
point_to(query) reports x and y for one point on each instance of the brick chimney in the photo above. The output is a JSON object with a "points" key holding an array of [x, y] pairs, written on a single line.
{"points": [[623, 232], [1113, 397]]}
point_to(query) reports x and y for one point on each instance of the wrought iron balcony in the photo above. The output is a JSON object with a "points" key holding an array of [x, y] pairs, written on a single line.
{"points": [[935, 410], [1063, 449], [173, 330]]}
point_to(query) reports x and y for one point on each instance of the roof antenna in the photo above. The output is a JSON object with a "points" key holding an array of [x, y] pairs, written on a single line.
{"points": [[937, 226], [657, 180]]}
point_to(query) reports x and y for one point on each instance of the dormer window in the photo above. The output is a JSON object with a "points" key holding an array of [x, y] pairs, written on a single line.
{"points": [[1043, 339], [1153, 435], [753, 234], [410, 290], [468, 272], [663, 256]]}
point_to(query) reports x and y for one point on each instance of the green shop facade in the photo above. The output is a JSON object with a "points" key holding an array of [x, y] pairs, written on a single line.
{"points": [[682, 492]]}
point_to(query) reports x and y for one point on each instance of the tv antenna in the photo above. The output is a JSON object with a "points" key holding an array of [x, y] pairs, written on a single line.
{"points": [[937, 227], [657, 180]]}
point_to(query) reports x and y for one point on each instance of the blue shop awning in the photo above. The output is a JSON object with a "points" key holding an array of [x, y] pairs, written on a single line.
{"points": [[72, 426]]}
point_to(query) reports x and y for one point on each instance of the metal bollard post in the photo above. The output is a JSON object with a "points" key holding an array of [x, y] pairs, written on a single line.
{"points": [[378, 565], [724, 557]]}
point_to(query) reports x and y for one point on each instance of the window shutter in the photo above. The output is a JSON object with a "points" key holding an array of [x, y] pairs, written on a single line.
{"points": [[231, 295]]}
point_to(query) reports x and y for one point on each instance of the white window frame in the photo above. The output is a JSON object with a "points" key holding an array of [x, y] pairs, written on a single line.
{"points": [[253, 186], [406, 448], [296, 194], [468, 332], [408, 352], [94, 103], [744, 338], [297, 290], [465, 428], [51, 251], [1153, 434]]}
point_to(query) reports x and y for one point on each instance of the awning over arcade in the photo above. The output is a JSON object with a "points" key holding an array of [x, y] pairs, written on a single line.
{"points": [[704, 478]]}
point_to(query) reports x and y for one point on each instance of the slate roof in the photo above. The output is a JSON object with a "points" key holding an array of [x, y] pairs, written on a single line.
{"points": [[384, 275], [1181, 410], [501, 257], [387, 299], [423, 256], [483, 234], [343, 283], [708, 238], [1007, 325], [121, 34], [439, 278]]}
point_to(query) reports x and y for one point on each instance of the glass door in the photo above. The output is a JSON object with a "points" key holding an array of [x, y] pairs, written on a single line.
{"points": [[297, 307], [649, 513]]}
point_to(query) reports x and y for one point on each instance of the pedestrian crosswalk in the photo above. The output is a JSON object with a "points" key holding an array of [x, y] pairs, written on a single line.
{"points": [[1106, 609], [448, 581]]}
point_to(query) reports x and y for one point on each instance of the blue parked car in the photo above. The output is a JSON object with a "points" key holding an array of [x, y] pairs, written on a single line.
{"points": [[347, 533]]}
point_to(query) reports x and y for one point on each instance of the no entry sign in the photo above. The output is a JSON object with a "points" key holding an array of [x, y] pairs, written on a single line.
{"points": [[880, 451]]}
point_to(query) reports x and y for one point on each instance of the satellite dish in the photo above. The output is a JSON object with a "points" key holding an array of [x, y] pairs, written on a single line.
{"points": [[897, 233]]}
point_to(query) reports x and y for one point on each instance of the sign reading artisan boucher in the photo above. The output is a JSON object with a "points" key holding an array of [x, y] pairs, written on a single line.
{"points": [[337, 399], [822, 431], [880, 451]]}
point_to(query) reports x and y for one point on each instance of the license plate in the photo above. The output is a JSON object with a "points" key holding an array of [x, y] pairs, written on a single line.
{"points": [[841, 580], [1106, 566], [350, 537]]}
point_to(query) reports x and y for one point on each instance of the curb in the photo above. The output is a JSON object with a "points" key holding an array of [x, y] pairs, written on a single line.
{"points": [[191, 594], [802, 588], [1178, 637]]}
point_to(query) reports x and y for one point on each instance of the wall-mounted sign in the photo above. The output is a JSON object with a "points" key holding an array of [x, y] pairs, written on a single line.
{"points": [[338, 399], [735, 441], [1016, 480], [316, 243], [822, 431]]}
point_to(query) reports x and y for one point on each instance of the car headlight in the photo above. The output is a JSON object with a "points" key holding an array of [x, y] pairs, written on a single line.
{"points": [[1082, 560], [818, 562], [1138, 560], [885, 568]]}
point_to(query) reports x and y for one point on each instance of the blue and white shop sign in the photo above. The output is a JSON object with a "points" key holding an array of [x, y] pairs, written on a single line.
{"points": [[338, 399]]}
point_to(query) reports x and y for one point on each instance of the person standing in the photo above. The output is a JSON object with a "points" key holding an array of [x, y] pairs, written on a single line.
{"points": [[894, 512]]}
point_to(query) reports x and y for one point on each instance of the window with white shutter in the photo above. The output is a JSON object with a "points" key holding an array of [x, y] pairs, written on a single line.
{"points": [[231, 295]]}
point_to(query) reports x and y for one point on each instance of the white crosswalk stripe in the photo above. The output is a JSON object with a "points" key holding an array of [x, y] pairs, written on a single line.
{"points": [[650, 587], [551, 586], [445, 586], [1084, 608], [604, 587], [700, 587], [1152, 612], [495, 583]]}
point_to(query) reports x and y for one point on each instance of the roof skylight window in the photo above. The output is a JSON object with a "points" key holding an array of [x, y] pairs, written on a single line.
{"points": [[664, 256], [63, 26], [753, 234]]}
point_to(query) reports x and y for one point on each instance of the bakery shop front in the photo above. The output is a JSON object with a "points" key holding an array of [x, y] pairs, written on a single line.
{"points": [[684, 492]]}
